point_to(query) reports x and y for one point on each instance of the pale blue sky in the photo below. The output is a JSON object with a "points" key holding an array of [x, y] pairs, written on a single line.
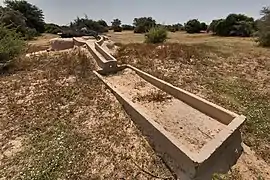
{"points": [[164, 11]]}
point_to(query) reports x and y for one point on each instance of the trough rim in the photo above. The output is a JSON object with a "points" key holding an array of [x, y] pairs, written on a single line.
{"points": [[210, 147]]}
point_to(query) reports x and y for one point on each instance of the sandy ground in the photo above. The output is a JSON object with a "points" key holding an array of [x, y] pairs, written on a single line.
{"points": [[191, 127]]}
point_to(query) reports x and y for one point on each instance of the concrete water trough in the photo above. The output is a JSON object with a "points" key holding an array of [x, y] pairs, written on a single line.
{"points": [[195, 137]]}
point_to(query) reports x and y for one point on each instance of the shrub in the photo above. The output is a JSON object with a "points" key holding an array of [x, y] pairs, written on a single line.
{"points": [[193, 26], [11, 45], [52, 28], [156, 35], [117, 29], [30, 33], [264, 28], [127, 27], [140, 29]]}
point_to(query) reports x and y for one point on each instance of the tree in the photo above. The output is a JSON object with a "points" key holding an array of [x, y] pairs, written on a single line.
{"points": [[116, 25], [12, 19], [143, 24], [264, 28], [102, 23], [34, 16], [193, 26], [233, 25], [204, 26]]}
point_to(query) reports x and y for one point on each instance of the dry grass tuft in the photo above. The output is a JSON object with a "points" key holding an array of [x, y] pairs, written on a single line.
{"points": [[153, 96]]}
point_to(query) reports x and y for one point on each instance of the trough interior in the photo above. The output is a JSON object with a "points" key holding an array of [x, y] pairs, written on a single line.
{"points": [[189, 126]]}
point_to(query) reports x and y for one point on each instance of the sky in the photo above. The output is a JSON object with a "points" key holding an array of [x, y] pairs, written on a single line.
{"points": [[62, 12]]}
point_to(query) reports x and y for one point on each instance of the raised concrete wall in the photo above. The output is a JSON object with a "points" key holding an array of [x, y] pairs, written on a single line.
{"points": [[186, 164], [104, 53], [104, 60], [222, 115], [59, 44]]}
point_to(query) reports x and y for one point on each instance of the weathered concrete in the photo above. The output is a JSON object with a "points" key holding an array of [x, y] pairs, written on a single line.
{"points": [[211, 109], [186, 164], [104, 60], [59, 44]]}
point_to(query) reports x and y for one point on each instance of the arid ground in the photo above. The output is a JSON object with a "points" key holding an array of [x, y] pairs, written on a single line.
{"points": [[229, 71], [58, 121]]}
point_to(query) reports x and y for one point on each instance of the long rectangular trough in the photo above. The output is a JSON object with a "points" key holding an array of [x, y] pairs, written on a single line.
{"points": [[195, 137], [104, 60]]}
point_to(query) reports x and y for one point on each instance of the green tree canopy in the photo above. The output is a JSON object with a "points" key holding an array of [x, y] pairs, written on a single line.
{"points": [[116, 23], [233, 25], [80, 23], [12, 19], [193, 26], [143, 24], [34, 16], [204, 26], [102, 23]]}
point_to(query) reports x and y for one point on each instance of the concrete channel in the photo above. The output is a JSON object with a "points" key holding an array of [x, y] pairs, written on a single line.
{"points": [[195, 137]]}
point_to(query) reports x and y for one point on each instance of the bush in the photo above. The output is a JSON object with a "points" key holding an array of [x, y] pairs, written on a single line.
{"points": [[156, 35], [52, 28], [233, 25], [117, 29], [193, 26], [127, 27], [140, 29], [264, 28], [11, 45], [30, 33]]}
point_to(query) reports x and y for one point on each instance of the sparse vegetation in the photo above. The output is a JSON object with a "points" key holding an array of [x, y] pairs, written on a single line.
{"points": [[11, 45], [156, 35]]}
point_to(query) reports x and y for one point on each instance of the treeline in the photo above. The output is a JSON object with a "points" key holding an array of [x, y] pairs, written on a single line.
{"points": [[28, 20]]}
